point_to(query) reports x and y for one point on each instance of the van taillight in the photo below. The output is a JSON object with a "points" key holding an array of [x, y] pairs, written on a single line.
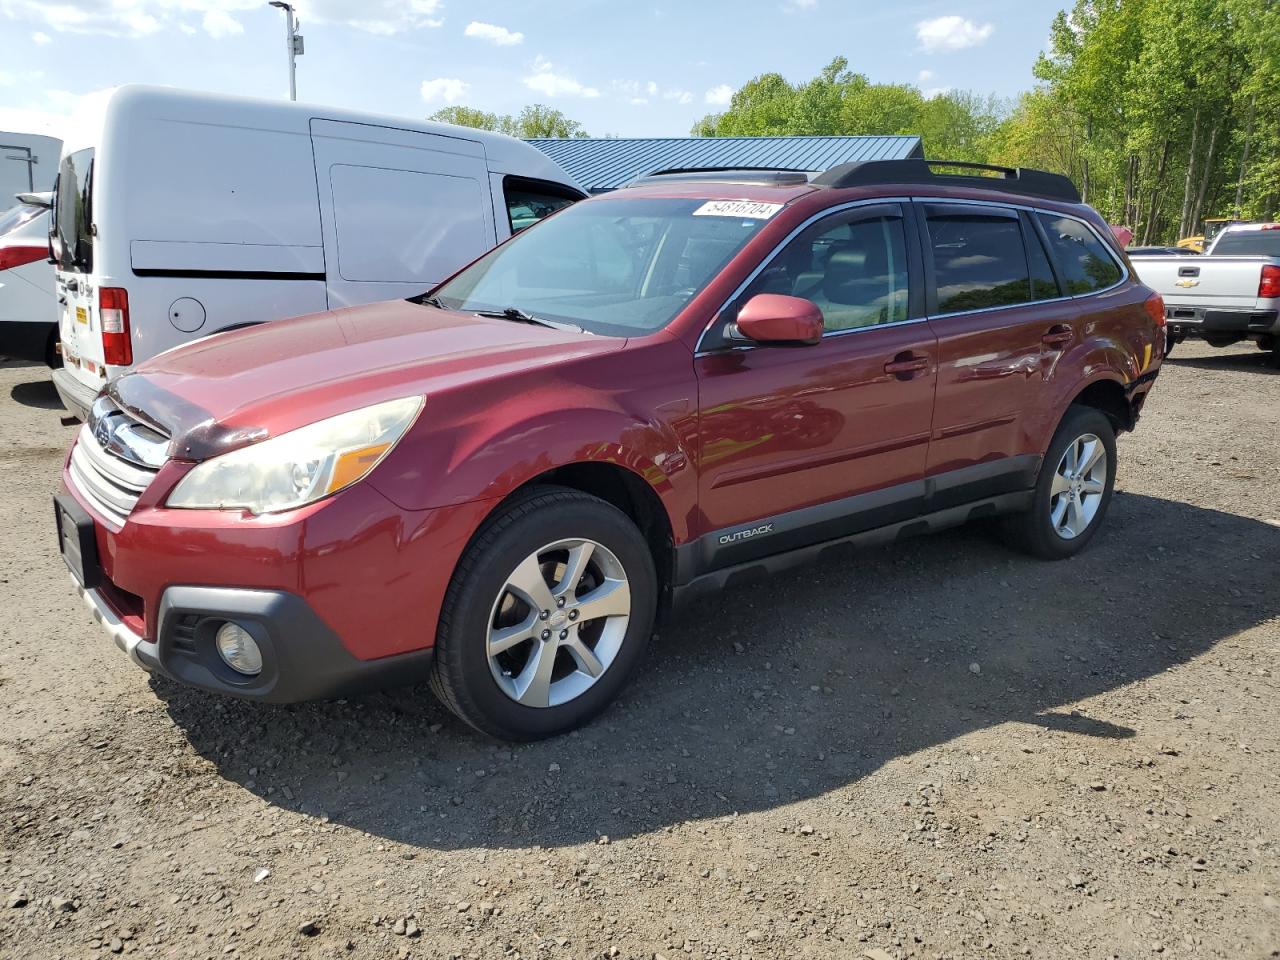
{"points": [[113, 311], [1155, 308], [11, 257], [1269, 285]]}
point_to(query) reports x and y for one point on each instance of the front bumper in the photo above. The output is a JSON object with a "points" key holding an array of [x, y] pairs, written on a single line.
{"points": [[75, 396], [302, 658]]}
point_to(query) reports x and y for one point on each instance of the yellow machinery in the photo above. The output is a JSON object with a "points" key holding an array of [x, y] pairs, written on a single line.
{"points": [[1211, 227]]}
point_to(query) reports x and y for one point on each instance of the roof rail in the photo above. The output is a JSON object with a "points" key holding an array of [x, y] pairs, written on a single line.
{"points": [[773, 175], [1037, 183]]}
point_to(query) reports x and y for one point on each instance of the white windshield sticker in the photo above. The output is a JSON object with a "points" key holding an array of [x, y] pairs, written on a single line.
{"points": [[738, 208]]}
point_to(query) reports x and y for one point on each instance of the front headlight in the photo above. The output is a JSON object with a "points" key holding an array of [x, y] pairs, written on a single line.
{"points": [[298, 467]]}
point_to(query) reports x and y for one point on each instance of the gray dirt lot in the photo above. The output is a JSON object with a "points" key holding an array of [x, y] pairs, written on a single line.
{"points": [[813, 770]]}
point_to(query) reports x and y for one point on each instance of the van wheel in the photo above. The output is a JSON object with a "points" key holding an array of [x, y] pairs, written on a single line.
{"points": [[1073, 490], [548, 613]]}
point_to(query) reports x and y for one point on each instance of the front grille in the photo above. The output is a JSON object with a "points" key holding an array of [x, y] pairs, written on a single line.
{"points": [[114, 461]]}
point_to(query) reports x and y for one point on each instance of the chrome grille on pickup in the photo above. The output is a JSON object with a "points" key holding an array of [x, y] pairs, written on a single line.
{"points": [[114, 460]]}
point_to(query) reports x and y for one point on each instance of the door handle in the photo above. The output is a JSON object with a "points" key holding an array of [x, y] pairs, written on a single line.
{"points": [[905, 365], [1058, 336]]}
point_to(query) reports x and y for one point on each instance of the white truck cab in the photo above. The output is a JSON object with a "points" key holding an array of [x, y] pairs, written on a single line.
{"points": [[180, 214]]}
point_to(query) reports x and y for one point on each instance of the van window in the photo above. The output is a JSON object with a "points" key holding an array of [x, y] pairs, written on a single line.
{"points": [[527, 203], [1082, 258], [979, 261], [73, 212], [403, 225]]}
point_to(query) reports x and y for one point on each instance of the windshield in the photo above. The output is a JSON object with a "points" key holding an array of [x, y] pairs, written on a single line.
{"points": [[16, 216], [618, 267], [1248, 243], [73, 214]]}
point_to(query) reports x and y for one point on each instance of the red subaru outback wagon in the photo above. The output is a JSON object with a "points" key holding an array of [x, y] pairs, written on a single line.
{"points": [[700, 379]]}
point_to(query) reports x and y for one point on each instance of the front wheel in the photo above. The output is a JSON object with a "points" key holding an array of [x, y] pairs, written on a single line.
{"points": [[1074, 488], [549, 611]]}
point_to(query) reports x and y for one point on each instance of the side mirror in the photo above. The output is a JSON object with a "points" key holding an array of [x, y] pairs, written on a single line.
{"points": [[774, 318]]}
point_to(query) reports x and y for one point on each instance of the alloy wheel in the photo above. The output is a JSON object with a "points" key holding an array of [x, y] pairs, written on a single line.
{"points": [[558, 622], [1079, 483]]}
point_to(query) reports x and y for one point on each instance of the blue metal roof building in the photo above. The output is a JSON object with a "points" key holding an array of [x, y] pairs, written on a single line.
{"points": [[600, 165]]}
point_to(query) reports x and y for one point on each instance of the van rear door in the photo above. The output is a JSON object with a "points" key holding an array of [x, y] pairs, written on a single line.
{"points": [[79, 326], [401, 210]]}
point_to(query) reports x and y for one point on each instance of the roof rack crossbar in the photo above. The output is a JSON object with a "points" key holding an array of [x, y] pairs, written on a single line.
{"points": [[1052, 186]]}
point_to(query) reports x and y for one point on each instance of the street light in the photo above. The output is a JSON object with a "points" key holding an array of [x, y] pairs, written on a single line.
{"points": [[293, 44]]}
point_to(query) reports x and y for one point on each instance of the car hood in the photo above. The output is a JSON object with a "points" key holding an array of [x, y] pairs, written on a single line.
{"points": [[238, 387]]}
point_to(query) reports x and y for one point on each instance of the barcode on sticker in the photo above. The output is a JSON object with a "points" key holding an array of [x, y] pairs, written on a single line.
{"points": [[738, 208]]}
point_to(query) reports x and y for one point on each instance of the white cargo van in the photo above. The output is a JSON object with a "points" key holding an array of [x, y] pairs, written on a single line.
{"points": [[179, 214]]}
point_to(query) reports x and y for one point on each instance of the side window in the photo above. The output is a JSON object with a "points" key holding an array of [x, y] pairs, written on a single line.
{"points": [[854, 270], [979, 260], [1044, 285], [528, 203], [1082, 258]]}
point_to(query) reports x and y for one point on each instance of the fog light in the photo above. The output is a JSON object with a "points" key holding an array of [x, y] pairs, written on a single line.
{"points": [[238, 650]]}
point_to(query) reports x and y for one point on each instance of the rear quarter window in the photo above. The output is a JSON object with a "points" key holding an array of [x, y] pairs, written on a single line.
{"points": [[1083, 260]]}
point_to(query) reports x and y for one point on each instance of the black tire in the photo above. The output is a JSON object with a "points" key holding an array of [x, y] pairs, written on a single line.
{"points": [[461, 675], [1169, 344], [1033, 530]]}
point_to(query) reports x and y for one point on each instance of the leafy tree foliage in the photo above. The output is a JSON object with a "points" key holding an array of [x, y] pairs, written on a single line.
{"points": [[533, 122], [1164, 112]]}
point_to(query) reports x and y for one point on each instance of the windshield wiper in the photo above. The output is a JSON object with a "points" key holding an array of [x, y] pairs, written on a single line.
{"points": [[519, 316], [429, 302]]}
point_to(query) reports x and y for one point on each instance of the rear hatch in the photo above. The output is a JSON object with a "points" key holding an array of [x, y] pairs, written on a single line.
{"points": [[79, 323]]}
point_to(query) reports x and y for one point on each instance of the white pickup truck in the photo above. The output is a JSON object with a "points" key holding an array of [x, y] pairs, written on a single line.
{"points": [[1228, 294]]}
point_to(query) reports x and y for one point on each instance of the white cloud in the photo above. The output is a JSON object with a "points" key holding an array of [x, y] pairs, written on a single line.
{"points": [[719, 96], [495, 34], [139, 18], [219, 24], [651, 88], [59, 115], [448, 89], [40, 38], [951, 33], [924, 80], [679, 96], [546, 81], [794, 6]]}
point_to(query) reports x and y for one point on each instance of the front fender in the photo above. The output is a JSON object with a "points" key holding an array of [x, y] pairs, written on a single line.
{"points": [[468, 446]]}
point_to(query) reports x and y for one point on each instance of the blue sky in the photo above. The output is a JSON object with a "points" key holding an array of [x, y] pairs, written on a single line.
{"points": [[630, 69]]}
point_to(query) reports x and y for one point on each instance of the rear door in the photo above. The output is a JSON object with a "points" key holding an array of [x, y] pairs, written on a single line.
{"points": [[401, 210], [1002, 325]]}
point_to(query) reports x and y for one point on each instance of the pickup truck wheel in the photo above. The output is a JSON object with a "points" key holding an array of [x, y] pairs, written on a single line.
{"points": [[550, 610], [1073, 490]]}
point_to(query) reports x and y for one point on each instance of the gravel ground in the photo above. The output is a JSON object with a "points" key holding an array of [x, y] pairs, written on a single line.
{"points": [[940, 749]]}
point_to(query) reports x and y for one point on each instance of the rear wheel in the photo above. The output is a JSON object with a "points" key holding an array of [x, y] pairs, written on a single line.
{"points": [[1074, 488], [550, 610]]}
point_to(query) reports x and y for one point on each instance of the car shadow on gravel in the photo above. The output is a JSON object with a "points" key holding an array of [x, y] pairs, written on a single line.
{"points": [[38, 392], [779, 692]]}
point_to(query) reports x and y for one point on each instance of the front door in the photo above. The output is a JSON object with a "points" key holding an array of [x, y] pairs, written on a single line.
{"points": [[800, 444]]}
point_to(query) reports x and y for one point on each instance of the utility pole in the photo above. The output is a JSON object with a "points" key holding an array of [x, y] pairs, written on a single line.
{"points": [[293, 44]]}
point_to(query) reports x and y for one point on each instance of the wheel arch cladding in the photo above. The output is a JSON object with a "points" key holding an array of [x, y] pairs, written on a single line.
{"points": [[1107, 396]]}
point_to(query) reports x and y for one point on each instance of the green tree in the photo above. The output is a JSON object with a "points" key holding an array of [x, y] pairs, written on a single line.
{"points": [[533, 122]]}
